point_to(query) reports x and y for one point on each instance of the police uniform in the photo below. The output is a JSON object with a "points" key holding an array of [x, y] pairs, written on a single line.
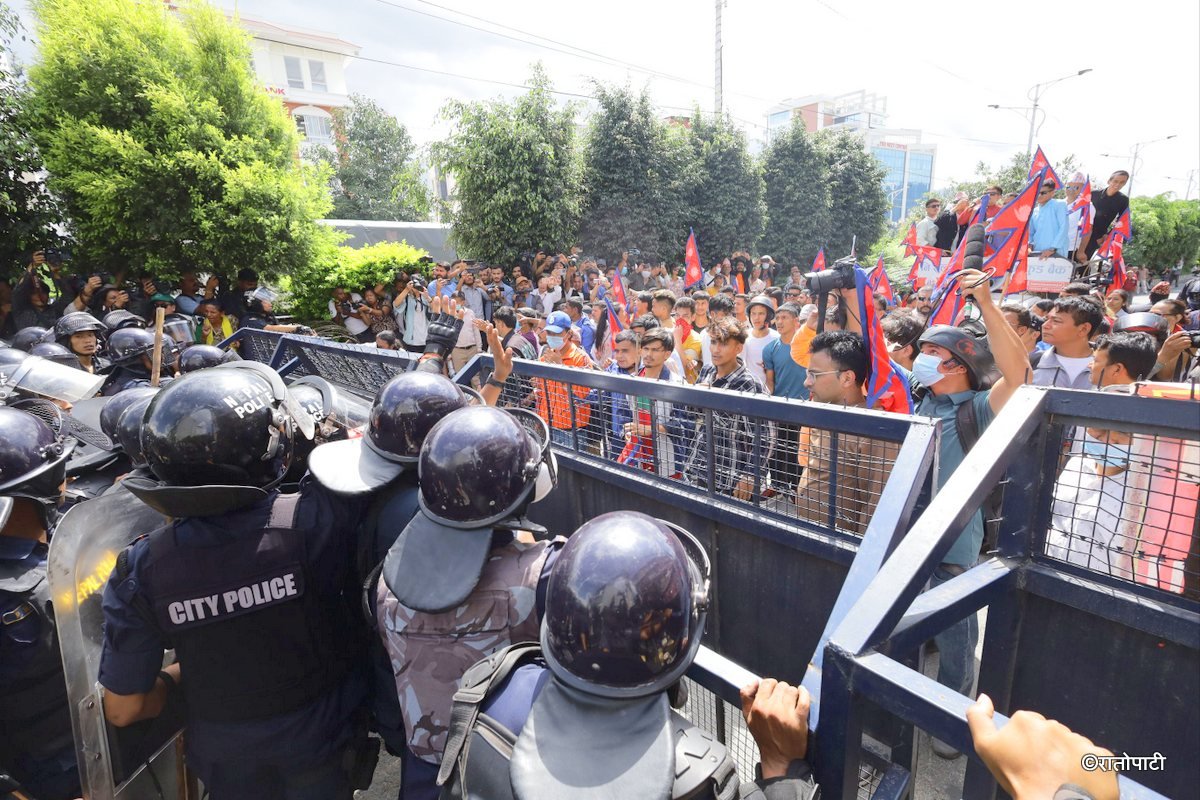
{"points": [[255, 602], [36, 744], [123, 378]]}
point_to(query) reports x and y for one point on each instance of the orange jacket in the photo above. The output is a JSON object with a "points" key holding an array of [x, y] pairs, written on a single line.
{"points": [[555, 393]]}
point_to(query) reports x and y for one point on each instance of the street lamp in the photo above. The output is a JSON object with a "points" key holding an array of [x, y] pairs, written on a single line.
{"points": [[1134, 167], [1035, 94]]}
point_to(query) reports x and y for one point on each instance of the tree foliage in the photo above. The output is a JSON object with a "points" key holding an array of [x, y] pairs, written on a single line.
{"points": [[28, 212], [1165, 231], [638, 177], [797, 197], [309, 288], [727, 197], [517, 174], [376, 172], [165, 151], [858, 205]]}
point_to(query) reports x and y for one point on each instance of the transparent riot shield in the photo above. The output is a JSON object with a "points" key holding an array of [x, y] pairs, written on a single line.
{"points": [[142, 761], [33, 376]]}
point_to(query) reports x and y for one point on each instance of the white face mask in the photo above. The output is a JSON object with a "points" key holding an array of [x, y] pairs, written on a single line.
{"points": [[925, 369], [645, 274], [554, 342]]}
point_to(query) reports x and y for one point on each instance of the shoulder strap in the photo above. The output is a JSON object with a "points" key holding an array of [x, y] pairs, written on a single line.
{"points": [[968, 425], [477, 682], [283, 511]]}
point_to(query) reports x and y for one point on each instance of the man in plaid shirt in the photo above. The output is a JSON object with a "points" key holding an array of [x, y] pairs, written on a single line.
{"points": [[732, 434]]}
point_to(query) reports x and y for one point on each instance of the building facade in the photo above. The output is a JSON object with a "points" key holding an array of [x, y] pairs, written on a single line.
{"points": [[305, 70], [909, 161]]}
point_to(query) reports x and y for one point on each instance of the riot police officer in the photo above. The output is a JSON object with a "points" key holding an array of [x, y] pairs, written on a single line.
{"points": [[203, 356], [259, 314], [80, 333], [463, 578], [26, 338], [587, 712], [36, 745], [131, 351], [251, 587]]}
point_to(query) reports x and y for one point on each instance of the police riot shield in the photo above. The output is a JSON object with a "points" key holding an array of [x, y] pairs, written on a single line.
{"points": [[142, 760], [33, 376]]}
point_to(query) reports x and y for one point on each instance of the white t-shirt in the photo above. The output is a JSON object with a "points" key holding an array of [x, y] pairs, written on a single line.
{"points": [[469, 335], [705, 348], [353, 324], [1073, 366], [1086, 519], [752, 353]]}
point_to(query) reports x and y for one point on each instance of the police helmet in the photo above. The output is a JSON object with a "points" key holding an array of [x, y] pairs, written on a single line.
{"points": [[969, 350], [129, 428], [404, 411], [762, 301], [120, 318], [115, 406], [481, 465], [76, 322], [1142, 322], [33, 463], [625, 606], [202, 356], [126, 346], [51, 351], [221, 427], [26, 338]]}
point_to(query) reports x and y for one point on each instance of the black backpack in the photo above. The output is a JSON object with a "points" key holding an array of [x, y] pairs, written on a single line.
{"points": [[968, 435]]}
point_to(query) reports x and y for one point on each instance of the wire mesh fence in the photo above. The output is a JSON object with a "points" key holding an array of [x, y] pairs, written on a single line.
{"points": [[1125, 504]]}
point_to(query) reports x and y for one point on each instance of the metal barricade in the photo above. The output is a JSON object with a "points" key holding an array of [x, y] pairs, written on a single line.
{"points": [[1092, 612]]}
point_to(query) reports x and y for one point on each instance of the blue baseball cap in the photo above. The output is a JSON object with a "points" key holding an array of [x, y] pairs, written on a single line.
{"points": [[558, 322]]}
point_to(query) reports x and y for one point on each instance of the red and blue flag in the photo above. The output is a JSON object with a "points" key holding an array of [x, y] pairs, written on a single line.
{"points": [[879, 283], [819, 261], [691, 258], [887, 388], [1040, 162], [614, 321], [1006, 239], [1123, 227], [910, 241]]}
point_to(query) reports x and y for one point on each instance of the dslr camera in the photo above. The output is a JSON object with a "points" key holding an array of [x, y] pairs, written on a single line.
{"points": [[53, 256], [838, 276], [417, 283]]}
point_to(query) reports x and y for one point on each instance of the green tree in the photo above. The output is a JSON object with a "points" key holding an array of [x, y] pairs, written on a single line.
{"points": [[309, 289], [28, 212], [727, 197], [165, 151], [858, 204], [1164, 232], [638, 176], [797, 197], [376, 172], [516, 172]]}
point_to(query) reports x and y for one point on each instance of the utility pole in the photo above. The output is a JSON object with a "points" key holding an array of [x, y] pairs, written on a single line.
{"points": [[718, 99]]}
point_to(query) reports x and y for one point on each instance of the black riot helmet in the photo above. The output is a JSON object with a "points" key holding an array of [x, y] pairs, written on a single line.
{"points": [[129, 427], [405, 410], [625, 606], [52, 351], [33, 463], [76, 322], [115, 406], [224, 427], [202, 356], [119, 319], [971, 351], [26, 338], [480, 465], [126, 346]]}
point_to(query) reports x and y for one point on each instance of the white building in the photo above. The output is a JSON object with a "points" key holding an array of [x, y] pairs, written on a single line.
{"points": [[305, 69]]}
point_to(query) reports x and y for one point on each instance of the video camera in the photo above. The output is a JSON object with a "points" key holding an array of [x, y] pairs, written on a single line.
{"points": [[839, 276], [55, 256]]}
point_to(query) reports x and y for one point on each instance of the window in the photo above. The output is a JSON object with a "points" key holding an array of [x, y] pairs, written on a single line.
{"points": [[314, 129], [316, 71], [295, 77], [779, 119]]}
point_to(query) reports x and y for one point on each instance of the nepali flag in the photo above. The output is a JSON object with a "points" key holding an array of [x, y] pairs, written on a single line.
{"points": [[924, 255], [1006, 231], [1040, 162], [819, 261], [1116, 253], [618, 290], [879, 283], [1123, 227], [691, 257], [1018, 279], [614, 321], [1085, 197], [948, 303], [910, 241], [887, 388]]}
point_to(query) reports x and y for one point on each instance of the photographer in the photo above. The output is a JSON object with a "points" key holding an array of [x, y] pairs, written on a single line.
{"points": [[412, 313], [31, 304], [376, 313], [346, 308]]}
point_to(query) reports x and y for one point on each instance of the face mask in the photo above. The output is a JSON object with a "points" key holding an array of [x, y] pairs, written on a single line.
{"points": [[1110, 455], [554, 342], [645, 274], [925, 369]]}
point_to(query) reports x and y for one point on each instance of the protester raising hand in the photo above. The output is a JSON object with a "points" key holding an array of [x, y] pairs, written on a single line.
{"points": [[502, 368]]}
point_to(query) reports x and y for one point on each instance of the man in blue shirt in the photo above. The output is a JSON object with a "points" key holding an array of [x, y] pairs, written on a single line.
{"points": [[953, 366], [626, 360], [1048, 226], [582, 323], [785, 378]]}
